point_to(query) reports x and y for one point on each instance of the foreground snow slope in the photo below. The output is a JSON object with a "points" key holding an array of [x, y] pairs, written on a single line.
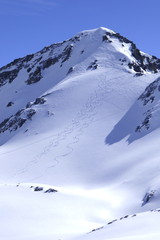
{"points": [[82, 116], [30, 214], [134, 227]]}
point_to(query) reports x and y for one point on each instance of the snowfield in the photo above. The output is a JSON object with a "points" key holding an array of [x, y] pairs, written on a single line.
{"points": [[81, 118], [134, 227]]}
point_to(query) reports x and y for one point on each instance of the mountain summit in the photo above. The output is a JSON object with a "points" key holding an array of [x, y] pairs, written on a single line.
{"points": [[79, 136], [30, 77]]}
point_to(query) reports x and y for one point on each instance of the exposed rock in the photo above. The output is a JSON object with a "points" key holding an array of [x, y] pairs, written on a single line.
{"points": [[67, 53], [31, 66], [135, 67], [93, 65], [35, 76], [148, 197], [8, 76], [50, 48], [16, 121], [97, 229], [70, 70], [115, 35], [50, 190], [106, 39], [18, 62], [143, 62], [39, 100], [49, 62], [145, 124], [36, 189], [75, 39], [10, 104], [148, 95]]}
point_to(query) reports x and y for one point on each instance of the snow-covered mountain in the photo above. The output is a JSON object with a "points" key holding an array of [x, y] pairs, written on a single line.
{"points": [[79, 136]]}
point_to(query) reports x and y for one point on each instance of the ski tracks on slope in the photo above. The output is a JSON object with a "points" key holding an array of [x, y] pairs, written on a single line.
{"points": [[74, 130]]}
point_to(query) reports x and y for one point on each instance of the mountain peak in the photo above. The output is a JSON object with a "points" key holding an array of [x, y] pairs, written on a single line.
{"points": [[91, 50], [79, 119], [98, 30]]}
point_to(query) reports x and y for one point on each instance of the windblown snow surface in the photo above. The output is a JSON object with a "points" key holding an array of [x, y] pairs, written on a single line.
{"points": [[79, 135]]}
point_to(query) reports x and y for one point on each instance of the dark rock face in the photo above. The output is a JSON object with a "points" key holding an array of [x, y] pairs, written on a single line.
{"points": [[8, 76], [50, 190], [16, 121], [93, 65], [66, 53], [149, 93], [49, 62], [146, 122], [10, 104], [148, 196], [106, 39], [109, 35], [75, 39], [147, 98], [61, 52], [96, 229], [18, 62], [135, 67], [37, 189], [35, 76], [143, 62], [70, 70], [39, 100], [31, 66]]}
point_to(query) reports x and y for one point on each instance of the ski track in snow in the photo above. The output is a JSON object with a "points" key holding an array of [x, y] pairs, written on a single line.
{"points": [[84, 118]]}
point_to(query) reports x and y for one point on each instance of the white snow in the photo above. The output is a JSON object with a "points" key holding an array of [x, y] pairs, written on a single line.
{"points": [[77, 143]]}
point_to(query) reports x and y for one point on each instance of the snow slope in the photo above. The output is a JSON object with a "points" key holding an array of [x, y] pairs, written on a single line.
{"points": [[80, 117], [135, 227]]}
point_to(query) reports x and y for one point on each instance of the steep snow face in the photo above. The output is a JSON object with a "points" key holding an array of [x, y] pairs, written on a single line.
{"points": [[142, 118], [79, 115], [28, 78]]}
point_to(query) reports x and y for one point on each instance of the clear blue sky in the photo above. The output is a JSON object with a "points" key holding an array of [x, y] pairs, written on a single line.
{"points": [[26, 26]]}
